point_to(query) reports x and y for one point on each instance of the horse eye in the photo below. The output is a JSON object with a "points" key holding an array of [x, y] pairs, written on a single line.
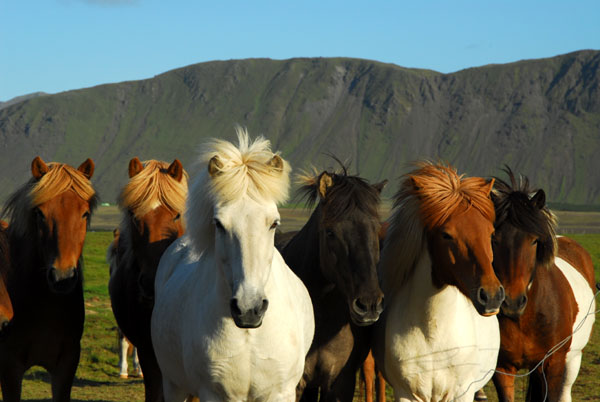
{"points": [[535, 242], [219, 225], [177, 217], [329, 233], [86, 215], [274, 225], [447, 236]]}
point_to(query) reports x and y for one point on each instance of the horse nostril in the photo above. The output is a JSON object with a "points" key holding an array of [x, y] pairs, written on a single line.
{"points": [[235, 309], [501, 293], [482, 296], [263, 307], [522, 301], [359, 307]]}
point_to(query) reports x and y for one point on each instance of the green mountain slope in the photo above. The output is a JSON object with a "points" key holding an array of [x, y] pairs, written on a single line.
{"points": [[542, 117]]}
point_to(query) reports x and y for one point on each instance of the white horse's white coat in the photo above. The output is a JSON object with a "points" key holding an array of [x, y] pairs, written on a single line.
{"points": [[437, 347], [199, 348], [582, 328]]}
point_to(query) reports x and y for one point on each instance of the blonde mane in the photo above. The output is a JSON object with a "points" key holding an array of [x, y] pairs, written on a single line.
{"points": [[428, 196], [153, 186], [59, 178], [244, 170]]}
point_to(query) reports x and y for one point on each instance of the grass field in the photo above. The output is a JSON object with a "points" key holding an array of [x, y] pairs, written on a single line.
{"points": [[97, 376]]}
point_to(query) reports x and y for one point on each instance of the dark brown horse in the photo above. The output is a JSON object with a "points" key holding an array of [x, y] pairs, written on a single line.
{"points": [[152, 203], [549, 285], [6, 308], [48, 217], [336, 254]]}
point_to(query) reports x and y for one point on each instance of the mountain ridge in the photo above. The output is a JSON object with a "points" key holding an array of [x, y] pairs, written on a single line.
{"points": [[540, 116]]}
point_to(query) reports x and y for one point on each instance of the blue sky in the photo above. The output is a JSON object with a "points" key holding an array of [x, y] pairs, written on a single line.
{"points": [[59, 45]]}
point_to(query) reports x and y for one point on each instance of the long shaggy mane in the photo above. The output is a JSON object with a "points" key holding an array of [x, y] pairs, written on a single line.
{"points": [[346, 195], [154, 186], [59, 178], [513, 204], [244, 171], [427, 197]]}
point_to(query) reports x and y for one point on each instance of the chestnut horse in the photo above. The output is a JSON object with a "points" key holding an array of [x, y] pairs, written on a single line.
{"points": [[438, 338], [549, 305], [336, 255], [49, 217], [6, 308], [152, 203]]}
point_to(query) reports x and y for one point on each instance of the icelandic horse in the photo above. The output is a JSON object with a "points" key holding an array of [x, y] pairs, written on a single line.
{"points": [[231, 321], [152, 204], [547, 317], [438, 338], [49, 217]]}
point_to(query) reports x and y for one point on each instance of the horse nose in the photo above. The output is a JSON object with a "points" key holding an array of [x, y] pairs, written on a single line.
{"points": [[366, 310], [490, 303], [4, 322], [513, 308], [56, 275], [248, 317], [62, 281]]}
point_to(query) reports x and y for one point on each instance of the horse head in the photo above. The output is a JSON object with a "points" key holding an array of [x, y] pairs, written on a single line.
{"points": [[459, 217], [348, 228], [241, 190], [524, 239], [62, 200], [154, 201]]}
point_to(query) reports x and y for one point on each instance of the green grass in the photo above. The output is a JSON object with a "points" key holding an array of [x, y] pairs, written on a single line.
{"points": [[97, 376]]}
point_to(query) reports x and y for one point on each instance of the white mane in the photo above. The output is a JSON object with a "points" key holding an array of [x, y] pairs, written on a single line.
{"points": [[243, 171]]}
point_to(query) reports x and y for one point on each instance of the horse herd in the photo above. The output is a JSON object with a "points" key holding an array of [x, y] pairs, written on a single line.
{"points": [[465, 282]]}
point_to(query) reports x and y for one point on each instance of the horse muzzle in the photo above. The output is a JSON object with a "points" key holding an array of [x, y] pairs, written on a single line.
{"points": [[251, 317], [364, 312], [62, 281], [487, 303], [514, 308]]}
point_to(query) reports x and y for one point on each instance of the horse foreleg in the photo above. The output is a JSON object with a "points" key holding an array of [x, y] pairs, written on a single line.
{"points": [[137, 369], [173, 393], [153, 385], [368, 376], [505, 383], [380, 386], [11, 382], [63, 374], [548, 382], [123, 348]]}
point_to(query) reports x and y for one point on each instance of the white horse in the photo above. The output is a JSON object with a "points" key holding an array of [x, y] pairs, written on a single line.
{"points": [[438, 339], [231, 321]]}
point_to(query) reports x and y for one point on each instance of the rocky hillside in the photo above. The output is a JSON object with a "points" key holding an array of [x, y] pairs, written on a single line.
{"points": [[541, 117]]}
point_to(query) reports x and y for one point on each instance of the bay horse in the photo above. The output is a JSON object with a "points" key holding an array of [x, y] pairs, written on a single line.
{"points": [[335, 254], [549, 305], [49, 217], [231, 321], [6, 308], [152, 203], [438, 338]]}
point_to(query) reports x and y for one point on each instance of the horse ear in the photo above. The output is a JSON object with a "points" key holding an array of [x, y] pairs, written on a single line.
{"points": [[38, 167], [87, 168], [539, 199], [380, 186], [175, 170], [487, 188], [276, 163], [214, 166], [135, 166], [325, 181]]}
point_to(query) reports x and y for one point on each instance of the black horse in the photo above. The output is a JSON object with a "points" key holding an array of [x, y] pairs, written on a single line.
{"points": [[336, 255]]}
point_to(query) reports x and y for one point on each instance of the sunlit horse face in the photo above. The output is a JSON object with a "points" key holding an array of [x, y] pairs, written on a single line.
{"points": [[349, 246], [244, 247], [461, 253], [515, 260], [62, 223], [153, 231]]}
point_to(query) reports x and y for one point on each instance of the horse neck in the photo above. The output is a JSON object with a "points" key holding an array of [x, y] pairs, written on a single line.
{"points": [[301, 254]]}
